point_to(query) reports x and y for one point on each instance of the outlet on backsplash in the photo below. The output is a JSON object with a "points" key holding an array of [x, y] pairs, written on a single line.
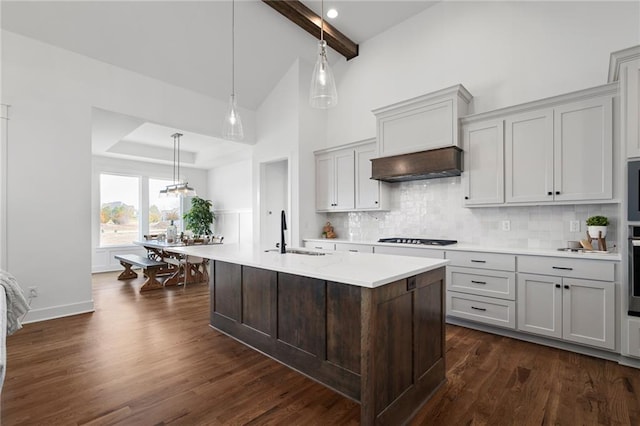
{"points": [[506, 225], [574, 226]]}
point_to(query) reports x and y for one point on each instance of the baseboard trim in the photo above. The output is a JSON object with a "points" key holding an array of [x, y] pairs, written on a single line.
{"points": [[37, 315]]}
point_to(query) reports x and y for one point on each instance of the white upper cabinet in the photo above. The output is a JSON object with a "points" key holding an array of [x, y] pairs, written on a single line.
{"points": [[583, 150], [529, 156], [335, 180], [624, 67], [425, 122], [483, 171], [370, 194], [556, 150], [343, 179]]}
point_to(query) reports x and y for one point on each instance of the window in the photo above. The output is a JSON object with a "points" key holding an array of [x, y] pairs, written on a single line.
{"points": [[162, 210], [119, 207]]}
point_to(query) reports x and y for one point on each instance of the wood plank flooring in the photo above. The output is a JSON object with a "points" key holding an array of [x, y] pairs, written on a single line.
{"points": [[152, 359]]}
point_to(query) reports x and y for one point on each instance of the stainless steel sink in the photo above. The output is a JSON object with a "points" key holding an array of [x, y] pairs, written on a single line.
{"points": [[298, 251]]}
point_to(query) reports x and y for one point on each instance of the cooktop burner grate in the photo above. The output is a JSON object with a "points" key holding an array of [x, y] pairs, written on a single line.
{"points": [[417, 241]]}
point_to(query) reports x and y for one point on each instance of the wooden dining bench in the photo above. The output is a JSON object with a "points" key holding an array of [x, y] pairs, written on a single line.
{"points": [[149, 267]]}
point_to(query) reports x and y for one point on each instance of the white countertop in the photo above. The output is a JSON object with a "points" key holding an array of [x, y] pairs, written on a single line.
{"points": [[361, 269], [611, 256]]}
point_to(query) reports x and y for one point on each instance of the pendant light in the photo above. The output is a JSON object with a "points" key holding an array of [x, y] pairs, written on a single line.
{"points": [[177, 189], [323, 93], [232, 126]]}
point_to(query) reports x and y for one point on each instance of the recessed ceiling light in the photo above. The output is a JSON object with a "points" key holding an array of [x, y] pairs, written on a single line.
{"points": [[332, 13]]}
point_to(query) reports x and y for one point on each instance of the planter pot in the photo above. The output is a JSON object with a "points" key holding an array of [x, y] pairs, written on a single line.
{"points": [[594, 230]]}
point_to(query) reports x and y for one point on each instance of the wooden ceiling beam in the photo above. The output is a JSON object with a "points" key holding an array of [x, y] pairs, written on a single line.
{"points": [[306, 19]]}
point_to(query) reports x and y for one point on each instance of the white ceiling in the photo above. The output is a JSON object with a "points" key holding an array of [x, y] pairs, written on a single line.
{"points": [[188, 44]]}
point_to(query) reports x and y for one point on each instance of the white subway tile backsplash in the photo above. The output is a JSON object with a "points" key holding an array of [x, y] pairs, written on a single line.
{"points": [[433, 209]]}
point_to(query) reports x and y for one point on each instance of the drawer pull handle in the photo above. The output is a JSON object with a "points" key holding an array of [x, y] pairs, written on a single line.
{"points": [[561, 267], [318, 247], [478, 261], [353, 251], [478, 309], [478, 282]]}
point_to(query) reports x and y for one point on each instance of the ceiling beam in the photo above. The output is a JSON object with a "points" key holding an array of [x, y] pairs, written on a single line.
{"points": [[306, 19]]}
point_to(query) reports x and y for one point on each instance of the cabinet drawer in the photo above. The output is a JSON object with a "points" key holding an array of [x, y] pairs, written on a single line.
{"points": [[498, 312], [563, 267], [356, 248], [410, 251], [504, 262], [320, 245], [482, 282]]}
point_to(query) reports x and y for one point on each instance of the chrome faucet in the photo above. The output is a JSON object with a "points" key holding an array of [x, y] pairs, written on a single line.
{"points": [[283, 227]]}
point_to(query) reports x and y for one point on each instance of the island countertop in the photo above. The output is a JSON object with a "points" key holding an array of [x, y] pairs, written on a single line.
{"points": [[360, 269]]}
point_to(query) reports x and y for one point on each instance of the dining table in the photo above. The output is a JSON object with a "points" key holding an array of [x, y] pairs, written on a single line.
{"points": [[180, 268]]}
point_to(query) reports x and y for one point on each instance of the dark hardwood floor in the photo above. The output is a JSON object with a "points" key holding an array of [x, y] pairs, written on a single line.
{"points": [[145, 359]]}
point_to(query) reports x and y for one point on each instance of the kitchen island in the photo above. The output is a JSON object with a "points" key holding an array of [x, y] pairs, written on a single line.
{"points": [[371, 327]]}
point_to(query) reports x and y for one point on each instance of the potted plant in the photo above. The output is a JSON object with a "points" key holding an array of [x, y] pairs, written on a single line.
{"points": [[200, 217], [597, 224]]}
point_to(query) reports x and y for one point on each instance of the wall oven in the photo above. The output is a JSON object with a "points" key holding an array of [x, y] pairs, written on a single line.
{"points": [[634, 271], [633, 188]]}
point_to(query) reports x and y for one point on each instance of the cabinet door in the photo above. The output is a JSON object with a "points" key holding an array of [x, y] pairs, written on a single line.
{"points": [[529, 157], [324, 182], [540, 304], [630, 106], [344, 180], [589, 312], [583, 151], [483, 176], [367, 189]]}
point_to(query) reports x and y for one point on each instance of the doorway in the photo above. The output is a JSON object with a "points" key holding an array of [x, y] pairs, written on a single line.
{"points": [[274, 197]]}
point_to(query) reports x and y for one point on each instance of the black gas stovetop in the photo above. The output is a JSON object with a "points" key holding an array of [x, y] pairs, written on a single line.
{"points": [[417, 241]]}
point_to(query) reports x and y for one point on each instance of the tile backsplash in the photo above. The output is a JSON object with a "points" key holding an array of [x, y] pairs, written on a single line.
{"points": [[433, 209]]}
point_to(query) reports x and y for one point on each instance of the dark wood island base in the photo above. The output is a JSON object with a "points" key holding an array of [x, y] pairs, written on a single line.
{"points": [[382, 347]]}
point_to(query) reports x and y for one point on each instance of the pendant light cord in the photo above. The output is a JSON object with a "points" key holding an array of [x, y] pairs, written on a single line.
{"points": [[322, 20], [233, 47], [174, 159]]}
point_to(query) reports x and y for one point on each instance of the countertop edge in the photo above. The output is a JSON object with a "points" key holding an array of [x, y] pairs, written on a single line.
{"points": [[611, 257]]}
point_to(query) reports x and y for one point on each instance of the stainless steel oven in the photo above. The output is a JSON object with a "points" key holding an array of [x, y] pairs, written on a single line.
{"points": [[634, 271]]}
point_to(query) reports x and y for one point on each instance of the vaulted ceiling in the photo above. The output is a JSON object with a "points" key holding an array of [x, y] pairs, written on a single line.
{"points": [[188, 43]]}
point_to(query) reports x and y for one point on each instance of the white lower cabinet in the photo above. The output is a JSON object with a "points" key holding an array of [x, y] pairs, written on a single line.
{"points": [[410, 251], [576, 310], [320, 245], [633, 337], [481, 287], [354, 248], [488, 310]]}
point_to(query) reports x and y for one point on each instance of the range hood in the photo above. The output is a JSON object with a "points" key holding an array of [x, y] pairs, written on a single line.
{"points": [[431, 164]]}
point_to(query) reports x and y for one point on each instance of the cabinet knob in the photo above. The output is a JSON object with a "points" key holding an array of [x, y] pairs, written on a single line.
{"points": [[558, 286], [566, 287], [466, 197], [549, 193], [557, 192], [376, 202]]}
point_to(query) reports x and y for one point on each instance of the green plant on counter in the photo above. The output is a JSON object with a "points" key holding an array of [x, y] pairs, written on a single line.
{"points": [[597, 221], [200, 218]]}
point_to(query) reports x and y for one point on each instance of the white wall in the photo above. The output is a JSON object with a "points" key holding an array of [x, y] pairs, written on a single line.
{"points": [[288, 128], [52, 92], [504, 53], [230, 190]]}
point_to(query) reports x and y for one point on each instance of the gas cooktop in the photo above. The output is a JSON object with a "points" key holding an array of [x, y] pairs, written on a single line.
{"points": [[417, 241]]}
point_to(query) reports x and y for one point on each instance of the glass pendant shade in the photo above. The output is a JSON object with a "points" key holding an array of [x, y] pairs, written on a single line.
{"points": [[323, 93], [232, 126]]}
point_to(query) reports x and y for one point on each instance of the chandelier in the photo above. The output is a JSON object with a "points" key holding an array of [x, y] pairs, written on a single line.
{"points": [[178, 188]]}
